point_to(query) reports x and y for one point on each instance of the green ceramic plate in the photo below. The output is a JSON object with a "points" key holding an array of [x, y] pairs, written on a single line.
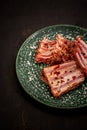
{"points": [[28, 71]]}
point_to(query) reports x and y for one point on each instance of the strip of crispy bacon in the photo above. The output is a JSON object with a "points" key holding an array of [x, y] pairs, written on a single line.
{"points": [[54, 51], [63, 77], [66, 47], [81, 53], [47, 51]]}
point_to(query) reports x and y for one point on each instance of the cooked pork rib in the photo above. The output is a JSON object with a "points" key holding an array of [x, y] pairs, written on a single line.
{"points": [[81, 53], [54, 51], [63, 77]]}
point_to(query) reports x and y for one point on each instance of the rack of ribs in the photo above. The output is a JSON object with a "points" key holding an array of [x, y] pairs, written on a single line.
{"points": [[63, 77]]}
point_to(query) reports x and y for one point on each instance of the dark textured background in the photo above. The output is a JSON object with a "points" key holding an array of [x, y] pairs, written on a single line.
{"points": [[18, 20]]}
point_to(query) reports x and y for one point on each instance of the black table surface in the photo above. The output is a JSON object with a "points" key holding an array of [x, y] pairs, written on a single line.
{"points": [[18, 111]]}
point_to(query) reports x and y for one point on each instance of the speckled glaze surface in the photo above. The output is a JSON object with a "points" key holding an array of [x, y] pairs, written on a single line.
{"points": [[28, 71]]}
